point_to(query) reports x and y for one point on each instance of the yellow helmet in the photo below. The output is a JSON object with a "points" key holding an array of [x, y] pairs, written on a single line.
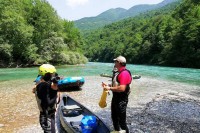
{"points": [[46, 68]]}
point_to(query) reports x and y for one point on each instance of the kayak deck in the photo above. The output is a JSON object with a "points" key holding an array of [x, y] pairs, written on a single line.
{"points": [[72, 113]]}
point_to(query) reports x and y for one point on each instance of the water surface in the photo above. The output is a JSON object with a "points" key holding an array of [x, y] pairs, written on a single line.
{"points": [[184, 75]]}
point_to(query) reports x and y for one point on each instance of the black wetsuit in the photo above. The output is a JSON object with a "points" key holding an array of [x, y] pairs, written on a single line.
{"points": [[119, 105], [46, 99]]}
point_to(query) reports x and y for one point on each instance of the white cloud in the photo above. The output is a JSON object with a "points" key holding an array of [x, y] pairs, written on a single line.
{"points": [[74, 3]]}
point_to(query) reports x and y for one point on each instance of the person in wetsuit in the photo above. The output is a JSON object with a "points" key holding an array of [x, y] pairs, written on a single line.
{"points": [[121, 88], [46, 96]]}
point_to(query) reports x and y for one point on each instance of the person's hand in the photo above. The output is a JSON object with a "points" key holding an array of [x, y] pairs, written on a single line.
{"points": [[103, 84], [106, 87], [34, 89], [54, 86]]}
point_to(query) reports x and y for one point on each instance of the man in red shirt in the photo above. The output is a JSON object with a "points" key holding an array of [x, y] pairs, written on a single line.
{"points": [[121, 89]]}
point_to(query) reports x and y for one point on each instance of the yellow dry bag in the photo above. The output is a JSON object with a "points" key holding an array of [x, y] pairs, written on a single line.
{"points": [[102, 102]]}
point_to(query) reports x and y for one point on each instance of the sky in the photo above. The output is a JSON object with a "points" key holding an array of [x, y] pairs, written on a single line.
{"points": [[77, 9]]}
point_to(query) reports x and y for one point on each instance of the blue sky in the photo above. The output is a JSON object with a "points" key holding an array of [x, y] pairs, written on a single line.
{"points": [[77, 9]]}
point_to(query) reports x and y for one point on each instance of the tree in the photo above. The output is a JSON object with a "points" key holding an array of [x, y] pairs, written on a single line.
{"points": [[30, 28]]}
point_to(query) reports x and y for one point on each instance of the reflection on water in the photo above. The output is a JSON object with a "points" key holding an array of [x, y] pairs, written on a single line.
{"points": [[184, 75]]}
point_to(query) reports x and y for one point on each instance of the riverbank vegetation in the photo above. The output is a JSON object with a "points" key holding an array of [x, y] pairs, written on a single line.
{"points": [[32, 33], [168, 37]]}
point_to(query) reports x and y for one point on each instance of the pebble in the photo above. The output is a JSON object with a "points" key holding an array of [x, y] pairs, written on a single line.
{"points": [[155, 106], [1, 125]]}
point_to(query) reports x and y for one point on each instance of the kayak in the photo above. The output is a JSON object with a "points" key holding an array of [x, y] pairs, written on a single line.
{"points": [[105, 75], [136, 76], [70, 82], [66, 83], [76, 118]]}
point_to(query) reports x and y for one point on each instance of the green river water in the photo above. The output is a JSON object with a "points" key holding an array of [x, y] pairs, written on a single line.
{"points": [[184, 75]]}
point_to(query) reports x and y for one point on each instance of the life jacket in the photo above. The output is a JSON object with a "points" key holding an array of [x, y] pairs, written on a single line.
{"points": [[114, 79], [115, 82]]}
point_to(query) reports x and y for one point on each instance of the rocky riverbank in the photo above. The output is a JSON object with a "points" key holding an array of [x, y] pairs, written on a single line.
{"points": [[155, 106]]}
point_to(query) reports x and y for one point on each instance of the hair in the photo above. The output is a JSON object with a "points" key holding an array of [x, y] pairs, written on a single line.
{"points": [[123, 64], [47, 77]]}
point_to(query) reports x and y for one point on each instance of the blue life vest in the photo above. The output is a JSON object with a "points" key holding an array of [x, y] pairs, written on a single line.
{"points": [[88, 124]]}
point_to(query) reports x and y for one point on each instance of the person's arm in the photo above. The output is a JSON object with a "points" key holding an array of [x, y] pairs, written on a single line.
{"points": [[124, 80], [35, 86], [34, 89], [57, 100], [120, 88]]}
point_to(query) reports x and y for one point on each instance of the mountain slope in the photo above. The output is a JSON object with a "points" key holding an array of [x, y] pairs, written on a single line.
{"points": [[104, 18], [116, 14], [167, 36]]}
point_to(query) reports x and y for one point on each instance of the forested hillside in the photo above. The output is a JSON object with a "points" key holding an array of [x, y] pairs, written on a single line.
{"points": [[32, 33], [114, 15], [163, 37]]}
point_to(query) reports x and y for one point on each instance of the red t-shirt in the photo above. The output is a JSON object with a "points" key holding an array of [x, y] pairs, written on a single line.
{"points": [[124, 77]]}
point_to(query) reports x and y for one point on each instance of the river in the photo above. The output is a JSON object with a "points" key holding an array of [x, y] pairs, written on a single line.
{"points": [[182, 75]]}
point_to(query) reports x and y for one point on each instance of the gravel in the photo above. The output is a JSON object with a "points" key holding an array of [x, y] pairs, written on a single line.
{"points": [[155, 105]]}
